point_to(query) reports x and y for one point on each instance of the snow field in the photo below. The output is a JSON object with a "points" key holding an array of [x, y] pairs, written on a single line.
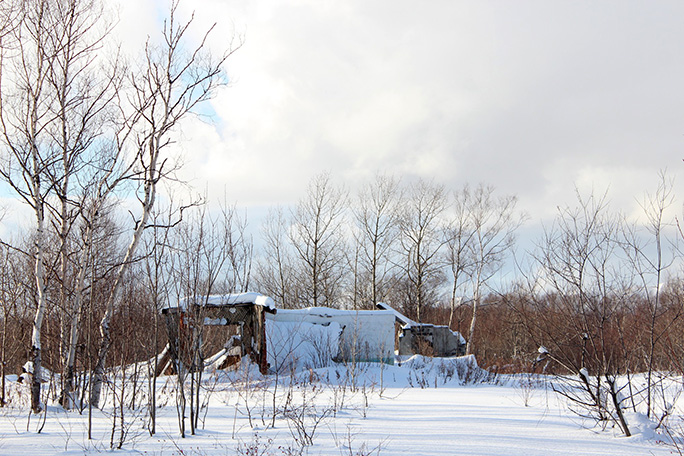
{"points": [[355, 409]]}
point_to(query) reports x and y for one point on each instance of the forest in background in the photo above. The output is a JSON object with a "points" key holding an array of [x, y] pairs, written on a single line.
{"points": [[586, 292]]}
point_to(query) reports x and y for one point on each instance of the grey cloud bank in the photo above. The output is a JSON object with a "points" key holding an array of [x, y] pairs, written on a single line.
{"points": [[534, 97]]}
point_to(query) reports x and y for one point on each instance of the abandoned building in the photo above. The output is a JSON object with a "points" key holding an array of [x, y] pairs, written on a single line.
{"points": [[291, 339], [244, 312], [425, 339]]}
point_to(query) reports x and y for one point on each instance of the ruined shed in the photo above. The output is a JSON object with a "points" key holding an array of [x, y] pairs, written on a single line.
{"points": [[426, 339], [280, 340], [244, 311]]}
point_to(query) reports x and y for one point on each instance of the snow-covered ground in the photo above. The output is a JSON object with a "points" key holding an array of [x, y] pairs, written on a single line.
{"points": [[423, 407]]}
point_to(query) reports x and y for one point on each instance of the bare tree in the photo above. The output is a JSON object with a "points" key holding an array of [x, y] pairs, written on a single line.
{"points": [[318, 240], [203, 253], [493, 222], [650, 259], [275, 270], [205, 263], [84, 92], [376, 214], [168, 88], [458, 238], [240, 250], [27, 119], [158, 265], [577, 299], [421, 238]]}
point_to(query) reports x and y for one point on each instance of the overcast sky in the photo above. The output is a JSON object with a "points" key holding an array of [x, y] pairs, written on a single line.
{"points": [[533, 97]]}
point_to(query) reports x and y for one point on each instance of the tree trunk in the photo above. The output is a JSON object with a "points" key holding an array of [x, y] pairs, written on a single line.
{"points": [[66, 396], [105, 332], [473, 320], [36, 357]]}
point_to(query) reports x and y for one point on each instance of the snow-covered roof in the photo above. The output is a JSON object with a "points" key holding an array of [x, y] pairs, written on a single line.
{"points": [[227, 300], [330, 312], [407, 322]]}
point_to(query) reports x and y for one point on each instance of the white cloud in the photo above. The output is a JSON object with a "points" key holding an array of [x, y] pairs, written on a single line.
{"points": [[532, 97]]}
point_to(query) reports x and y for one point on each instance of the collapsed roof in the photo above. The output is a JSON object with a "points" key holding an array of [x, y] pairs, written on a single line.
{"points": [[231, 299]]}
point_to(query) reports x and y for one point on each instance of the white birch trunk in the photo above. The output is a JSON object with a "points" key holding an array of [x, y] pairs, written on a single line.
{"points": [[66, 396], [105, 331], [36, 355]]}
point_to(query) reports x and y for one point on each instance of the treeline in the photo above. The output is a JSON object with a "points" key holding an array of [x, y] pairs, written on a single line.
{"points": [[588, 290]]}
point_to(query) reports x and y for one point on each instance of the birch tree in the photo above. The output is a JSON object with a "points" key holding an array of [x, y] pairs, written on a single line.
{"points": [[171, 84], [84, 92], [275, 270], [493, 221], [458, 237], [26, 118], [318, 241], [376, 215], [420, 241]]}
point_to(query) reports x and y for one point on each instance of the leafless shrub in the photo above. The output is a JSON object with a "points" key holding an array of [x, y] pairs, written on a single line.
{"points": [[527, 383], [346, 444], [249, 388], [321, 353], [257, 446], [304, 415]]}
